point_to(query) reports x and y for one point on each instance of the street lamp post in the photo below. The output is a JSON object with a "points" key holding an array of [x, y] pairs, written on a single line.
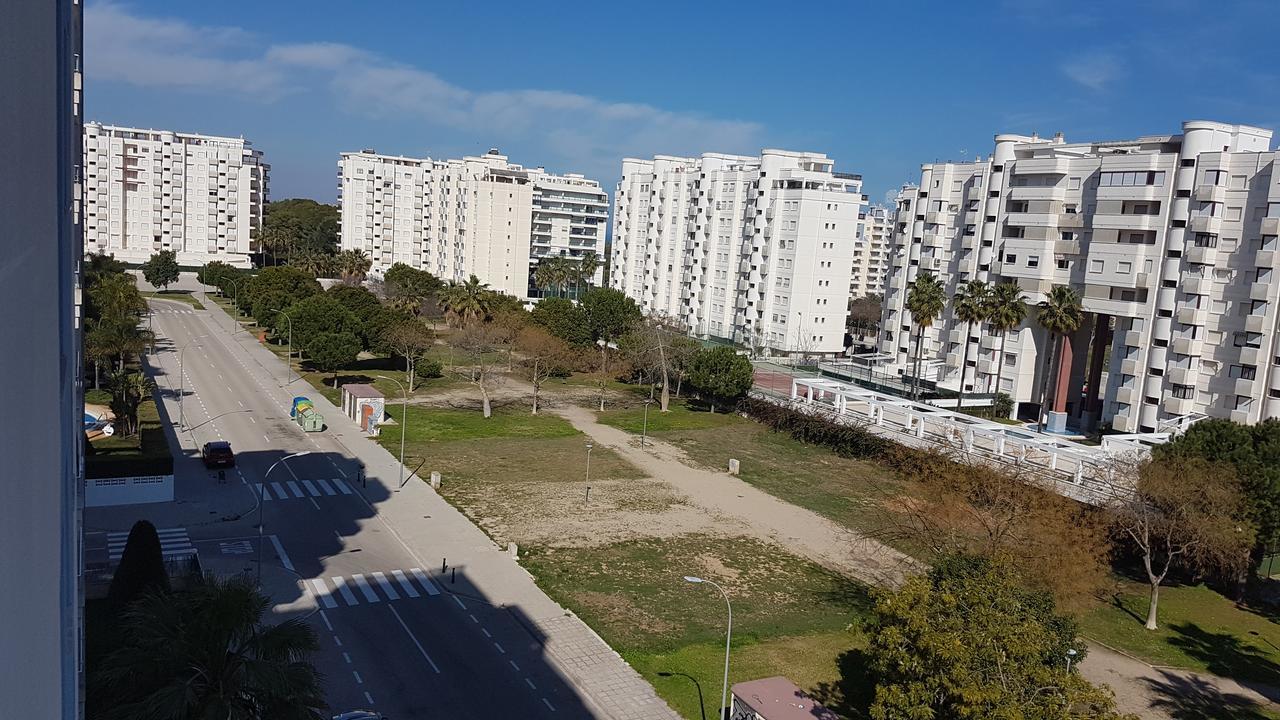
{"points": [[288, 359], [404, 424], [235, 304], [589, 446], [1071, 654], [728, 634], [266, 475], [182, 380]]}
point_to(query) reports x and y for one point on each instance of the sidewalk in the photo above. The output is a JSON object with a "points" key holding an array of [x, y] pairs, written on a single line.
{"points": [[423, 523]]}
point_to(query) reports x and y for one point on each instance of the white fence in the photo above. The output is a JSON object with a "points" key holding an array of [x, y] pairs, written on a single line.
{"points": [[105, 492]]}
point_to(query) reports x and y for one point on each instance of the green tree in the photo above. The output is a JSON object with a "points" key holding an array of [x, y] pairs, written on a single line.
{"points": [[280, 236], [720, 375], [366, 308], [206, 652], [1006, 309], [1061, 314], [141, 567], [587, 266], [330, 352], [99, 265], [467, 301], [161, 270], [968, 642], [314, 264], [925, 299], [409, 288], [352, 265], [1251, 451], [609, 313], [276, 288], [315, 225], [411, 340], [543, 356], [562, 318], [128, 390], [969, 305], [316, 316], [1186, 511], [214, 274]]}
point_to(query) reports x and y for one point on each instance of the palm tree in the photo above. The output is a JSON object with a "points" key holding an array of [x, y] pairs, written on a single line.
{"points": [[544, 274], [467, 301], [1007, 307], [352, 265], [969, 305], [925, 300], [128, 390], [309, 261], [587, 266], [205, 652], [1061, 314]]}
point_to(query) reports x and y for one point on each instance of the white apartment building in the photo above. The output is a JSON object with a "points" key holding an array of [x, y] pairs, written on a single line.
{"points": [[201, 196], [41, 629], [871, 251], [479, 215], [1171, 240], [757, 250]]}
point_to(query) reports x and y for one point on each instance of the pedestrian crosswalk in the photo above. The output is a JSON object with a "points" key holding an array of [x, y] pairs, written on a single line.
{"points": [[174, 543], [293, 489], [373, 588]]}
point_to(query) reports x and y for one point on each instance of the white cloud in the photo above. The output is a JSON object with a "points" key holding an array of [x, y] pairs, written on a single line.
{"points": [[581, 132], [1095, 69]]}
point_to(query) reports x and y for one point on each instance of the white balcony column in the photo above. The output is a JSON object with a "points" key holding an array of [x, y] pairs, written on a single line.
{"points": [[794, 393]]}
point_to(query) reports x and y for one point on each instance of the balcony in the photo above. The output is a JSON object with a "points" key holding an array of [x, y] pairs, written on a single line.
{"points": [[1130, 337], [1210, 193], [1265, 258], [1250, 356], [1259, 290], [1271, 226], [1196, 285], [1205, 255], [1192, 315], [1206, 224], [1184, 376], [937, 218], [1186, 346], [1125, 395], [1032, 219], [1038, 192], [1241, 386], [1255, 323], [1129, 366], [1239, 416], [1067, 247], [1178, 406], [1070, 220]]}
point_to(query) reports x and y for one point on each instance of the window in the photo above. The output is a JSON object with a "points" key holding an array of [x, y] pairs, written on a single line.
{"points": [[1011, 259], [1131, 179], [1247, 339], [1243, 372], [1095, 266], [1242, 402], [1124, 267], [1273, 210], [1033, 261], [1182, 392], [1203, 240], [1073, 184], [1214, 177]]}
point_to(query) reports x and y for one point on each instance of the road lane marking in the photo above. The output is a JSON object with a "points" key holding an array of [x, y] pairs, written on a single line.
{"points": [[369, 698], [280, 490], [264, 437], [404, 583], [313, 502], [504, 652], [514, 665], [325, 487], [386, 586], [342, 487], [284, 557], [347, 658], [262, 491], [426, 581], [358, 680], [337, 641], [310, 488], [530, 684], [414, 639], [473, 619], [341, 584], [327, 624], [363, 584], [455, 599], [322, 593], [255, 422], [293, 488]]}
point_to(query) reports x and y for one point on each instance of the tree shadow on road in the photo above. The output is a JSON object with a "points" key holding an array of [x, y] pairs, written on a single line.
{"points": [[1184, 698]]}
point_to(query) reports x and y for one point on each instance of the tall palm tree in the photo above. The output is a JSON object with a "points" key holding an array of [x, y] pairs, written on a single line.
{"points": [[1006, 310], [925, 300], [128, 390], [544, 275], [204, 652], [587, 266], [969, 305], [467, 301], [309, 261], [1061, 314], [352, 265]]}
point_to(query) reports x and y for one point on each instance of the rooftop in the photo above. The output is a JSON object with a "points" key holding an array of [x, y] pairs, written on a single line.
{"points": [[777, 698]]}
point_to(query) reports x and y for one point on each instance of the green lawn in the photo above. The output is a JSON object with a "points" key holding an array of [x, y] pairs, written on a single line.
{"points": [[435, 425], [147, 453], [1199, 629], [182, 296], [679, 417], [791, 617]]}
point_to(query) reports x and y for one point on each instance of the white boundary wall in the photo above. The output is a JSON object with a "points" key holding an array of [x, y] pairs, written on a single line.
{"points": [[138, 490]]}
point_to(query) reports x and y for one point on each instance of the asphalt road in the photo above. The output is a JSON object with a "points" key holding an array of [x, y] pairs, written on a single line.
{"points": [[393, 637]]}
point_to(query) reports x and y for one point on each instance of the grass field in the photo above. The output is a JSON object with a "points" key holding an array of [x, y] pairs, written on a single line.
{"points": [[1199, 630], [147, 453], [790, 616], [182, 296]]}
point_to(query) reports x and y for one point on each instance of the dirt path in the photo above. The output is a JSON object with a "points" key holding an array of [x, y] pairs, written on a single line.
{"points": [[798, 530], [1171, 694]]}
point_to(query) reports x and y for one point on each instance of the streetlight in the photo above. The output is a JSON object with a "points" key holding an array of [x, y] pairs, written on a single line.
{"points": [[235, 304], [644, 432], [404, 424], [182, 380], [728, 633], [264, 482], [1071, 654], [288, 361], [589, 446]]}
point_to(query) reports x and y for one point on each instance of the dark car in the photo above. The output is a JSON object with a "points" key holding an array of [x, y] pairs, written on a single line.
{"points": [[217, 454]]}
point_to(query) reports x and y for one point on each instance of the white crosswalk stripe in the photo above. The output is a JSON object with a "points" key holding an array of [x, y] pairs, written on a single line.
{"points": [[315, 487], [310, 488], [280, 491], [324, 486], [342, 486], [174, 543], [382, 587], [293, 488]]}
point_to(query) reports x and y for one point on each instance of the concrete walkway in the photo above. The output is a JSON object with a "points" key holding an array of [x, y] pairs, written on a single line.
{"points": [[801, 531]]}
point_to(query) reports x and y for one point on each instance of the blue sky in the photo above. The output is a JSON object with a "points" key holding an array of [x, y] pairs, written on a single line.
{"points": [[880, 87]]}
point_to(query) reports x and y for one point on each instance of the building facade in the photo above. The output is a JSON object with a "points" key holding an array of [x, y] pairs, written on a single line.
{"points": [[871, 251], [41, 440], [201, 196], [1171, 242], [755, 250], [479, 215]]}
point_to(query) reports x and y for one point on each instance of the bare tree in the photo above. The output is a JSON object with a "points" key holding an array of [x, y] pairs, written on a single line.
{"points": [[543, 355], [411, 340], [481, 340], [650, 347], [1185, 511]]}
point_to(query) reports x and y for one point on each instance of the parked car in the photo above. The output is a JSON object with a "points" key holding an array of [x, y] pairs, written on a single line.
{"points": [[360, 715], [217, 454]]}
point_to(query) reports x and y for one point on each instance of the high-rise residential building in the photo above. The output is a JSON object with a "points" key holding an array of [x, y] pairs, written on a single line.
{"points": [[1170, 241], [482, 216], [756, 250], [201, 196], [871, 251], [41, 440]]}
